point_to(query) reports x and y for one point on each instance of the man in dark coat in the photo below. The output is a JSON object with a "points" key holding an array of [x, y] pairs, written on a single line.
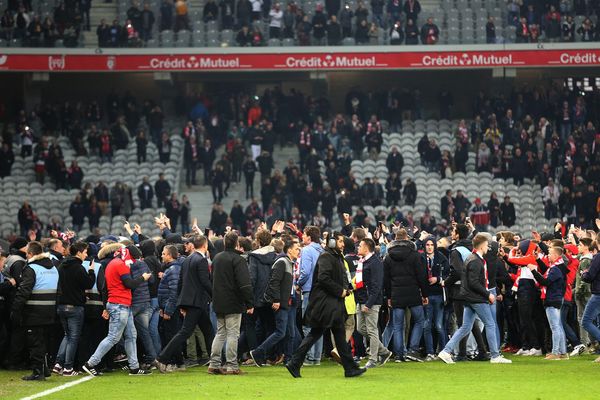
{"points": [[195, 292], [326, 308], [406, 286], [232, 295]]}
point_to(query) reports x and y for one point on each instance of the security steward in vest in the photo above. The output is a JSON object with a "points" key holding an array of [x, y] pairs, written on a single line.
{"points": [[35, 306]]}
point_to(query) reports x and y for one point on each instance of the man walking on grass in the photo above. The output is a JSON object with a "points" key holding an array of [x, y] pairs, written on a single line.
{"points": [[232, 295], [476, 295], [326, 308], [118, 310]]}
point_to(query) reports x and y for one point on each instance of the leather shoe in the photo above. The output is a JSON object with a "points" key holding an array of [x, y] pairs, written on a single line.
{"points": [[354, 372], [295, 372]]}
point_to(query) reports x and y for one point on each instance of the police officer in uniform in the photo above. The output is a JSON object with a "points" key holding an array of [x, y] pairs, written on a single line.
{"points": [[35, 306]]}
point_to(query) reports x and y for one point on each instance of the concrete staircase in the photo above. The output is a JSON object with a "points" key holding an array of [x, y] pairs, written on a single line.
{"points": [[100, 10], [201, 198]]}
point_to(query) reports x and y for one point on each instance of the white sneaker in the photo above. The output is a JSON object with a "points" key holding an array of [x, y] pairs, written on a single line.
{"points": [[522, 352], [535, 352], [578, 350], [446, 357], [500, 360]]}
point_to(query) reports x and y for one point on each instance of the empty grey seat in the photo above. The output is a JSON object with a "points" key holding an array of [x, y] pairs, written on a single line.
{"points": [[348, 41], [288, 42], [274, 42]]}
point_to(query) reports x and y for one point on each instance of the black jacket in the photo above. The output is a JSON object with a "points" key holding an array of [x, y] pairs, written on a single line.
{"points": [[372, 275], [405, 275], [231, 288], [259, 266], [148, 249], [280, 283], [326, 307], [35, 314], [195, 287], [472, 287], [73, 281]]}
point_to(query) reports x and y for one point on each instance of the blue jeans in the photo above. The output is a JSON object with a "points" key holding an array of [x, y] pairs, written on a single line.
{"points": [[141, 317], [494, 310], [388, 332], [120, 324], [569, 332], [281, 327], [592, 309], [314, 354], [153, 325], [559, 341], [434, 319], [71, 319], [418, 315], [290, 335], [481, 310]]}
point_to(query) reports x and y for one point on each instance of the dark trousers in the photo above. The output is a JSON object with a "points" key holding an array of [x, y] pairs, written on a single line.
{"points": [[527, 325], [257, 327], [207, 171], [16, 355], [339, 336], [190, 174], [462, 347], [36, 337], [168, 329], [249, 186], [194, 316]]}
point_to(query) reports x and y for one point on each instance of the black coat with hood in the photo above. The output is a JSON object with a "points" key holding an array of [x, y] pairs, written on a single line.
{"points": [[405, 275], [260, 262], [73, 281], [148, 249], [232, 290], [326, 307]]}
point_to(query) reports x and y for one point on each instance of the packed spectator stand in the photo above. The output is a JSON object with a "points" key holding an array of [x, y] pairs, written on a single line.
{"points": [[208, 23]]}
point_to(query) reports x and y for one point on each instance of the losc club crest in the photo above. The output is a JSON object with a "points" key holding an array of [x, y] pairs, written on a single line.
{"points": [[111, 62], [56, 63]]}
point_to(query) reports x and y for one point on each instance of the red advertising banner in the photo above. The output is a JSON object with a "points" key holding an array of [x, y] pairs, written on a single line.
{"points": [[297, 61]]}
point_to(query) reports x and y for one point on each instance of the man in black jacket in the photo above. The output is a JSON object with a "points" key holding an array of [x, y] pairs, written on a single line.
{"points": [[406, 286], [35, 306], [474, 290], [195, 293], [73, 281], [460, 250], [278, 295], [162, 189], [369, 296], [326, 308], [232, 295]]}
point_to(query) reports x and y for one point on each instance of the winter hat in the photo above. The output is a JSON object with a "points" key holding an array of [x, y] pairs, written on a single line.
{"points": [[135, 253], [547, 236], [92, 250], [527, 247], [572, 249], [19, 243]]}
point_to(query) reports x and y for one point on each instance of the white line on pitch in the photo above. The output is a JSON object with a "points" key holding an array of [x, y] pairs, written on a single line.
{"points": [[58, 388]]}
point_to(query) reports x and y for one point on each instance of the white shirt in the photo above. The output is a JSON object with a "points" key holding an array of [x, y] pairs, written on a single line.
{"points": [[276, 18]]}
